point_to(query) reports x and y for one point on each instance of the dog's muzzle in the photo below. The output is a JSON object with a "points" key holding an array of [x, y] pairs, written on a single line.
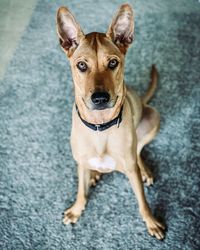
{"points": [[100, 100]]}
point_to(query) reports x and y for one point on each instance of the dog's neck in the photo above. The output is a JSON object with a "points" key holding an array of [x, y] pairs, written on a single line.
{"points": [[100, 116]]}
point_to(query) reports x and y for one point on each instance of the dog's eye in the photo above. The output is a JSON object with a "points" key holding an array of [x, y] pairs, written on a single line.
{"points": [[112, 64], [82, 66]]}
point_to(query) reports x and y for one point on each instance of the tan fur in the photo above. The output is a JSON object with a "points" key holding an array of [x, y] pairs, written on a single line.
{"points": [[140, 122]]}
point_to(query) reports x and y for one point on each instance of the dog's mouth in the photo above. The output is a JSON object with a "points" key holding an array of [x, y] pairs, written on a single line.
{"points": [[100, 105]]}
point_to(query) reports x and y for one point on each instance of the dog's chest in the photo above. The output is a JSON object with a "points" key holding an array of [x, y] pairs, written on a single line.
{"points": [[101, 161], [102, 164]]}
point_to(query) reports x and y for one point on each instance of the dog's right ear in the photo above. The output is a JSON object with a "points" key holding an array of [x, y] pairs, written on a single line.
{"points": [[69, 31]]}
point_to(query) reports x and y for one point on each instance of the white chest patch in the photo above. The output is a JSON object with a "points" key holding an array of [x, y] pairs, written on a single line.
{"points": [[104, 163]]}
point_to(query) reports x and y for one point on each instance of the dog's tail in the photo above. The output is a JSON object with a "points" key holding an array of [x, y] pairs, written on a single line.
{"points": [[152, 86]]}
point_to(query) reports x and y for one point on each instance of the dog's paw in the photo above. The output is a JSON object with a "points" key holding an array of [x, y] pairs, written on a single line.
{"points": [[147, 179], [147, 176], [155, 228], [94, 178], [71, 216]]}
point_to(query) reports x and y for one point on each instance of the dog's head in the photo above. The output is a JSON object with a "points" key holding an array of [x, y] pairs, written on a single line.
{"points": [[97, 59]]}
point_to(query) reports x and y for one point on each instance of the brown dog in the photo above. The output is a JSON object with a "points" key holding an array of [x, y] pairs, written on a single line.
{"points": [[110, 123]]}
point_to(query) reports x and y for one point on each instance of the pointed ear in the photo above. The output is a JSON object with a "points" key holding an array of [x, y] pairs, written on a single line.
{"points": [[122, 28], [69, 31]]}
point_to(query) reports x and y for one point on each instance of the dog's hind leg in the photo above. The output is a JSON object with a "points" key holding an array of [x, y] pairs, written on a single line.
{"points": [[72, 214], [146, 131]]}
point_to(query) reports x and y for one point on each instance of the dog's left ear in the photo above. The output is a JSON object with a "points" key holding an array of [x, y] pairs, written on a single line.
{"points": [[122, 28]]}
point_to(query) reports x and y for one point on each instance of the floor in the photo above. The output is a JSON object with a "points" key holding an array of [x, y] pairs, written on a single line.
{"points": [[14, 17]]}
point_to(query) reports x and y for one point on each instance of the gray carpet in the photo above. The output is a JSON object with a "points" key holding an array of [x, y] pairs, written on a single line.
{"points": [[38, 175]]}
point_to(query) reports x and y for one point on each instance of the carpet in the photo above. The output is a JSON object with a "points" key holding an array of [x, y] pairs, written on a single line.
{"points": [[37, 173]]}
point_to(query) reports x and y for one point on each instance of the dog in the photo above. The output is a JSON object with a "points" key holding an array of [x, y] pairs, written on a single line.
{"points": [[110, 122]]}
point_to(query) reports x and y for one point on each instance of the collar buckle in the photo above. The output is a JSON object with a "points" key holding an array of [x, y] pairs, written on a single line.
{"points": [[97, 126], [118, 122]]}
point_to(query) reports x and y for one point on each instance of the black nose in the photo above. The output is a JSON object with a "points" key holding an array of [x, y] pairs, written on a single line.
{"points": [[100, 98]]}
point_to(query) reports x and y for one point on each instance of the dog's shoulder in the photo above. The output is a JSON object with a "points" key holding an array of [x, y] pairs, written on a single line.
{"points": [[135, 104]]}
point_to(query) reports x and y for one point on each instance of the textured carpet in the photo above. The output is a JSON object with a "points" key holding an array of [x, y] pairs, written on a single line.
{"points": [[37, 173]]}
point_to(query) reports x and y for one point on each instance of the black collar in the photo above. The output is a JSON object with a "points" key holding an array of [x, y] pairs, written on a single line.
{"points": [[101, 127]]}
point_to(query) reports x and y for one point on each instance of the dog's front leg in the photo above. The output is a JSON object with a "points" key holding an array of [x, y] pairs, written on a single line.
{"points": [[154, 227], [72, 214]]}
